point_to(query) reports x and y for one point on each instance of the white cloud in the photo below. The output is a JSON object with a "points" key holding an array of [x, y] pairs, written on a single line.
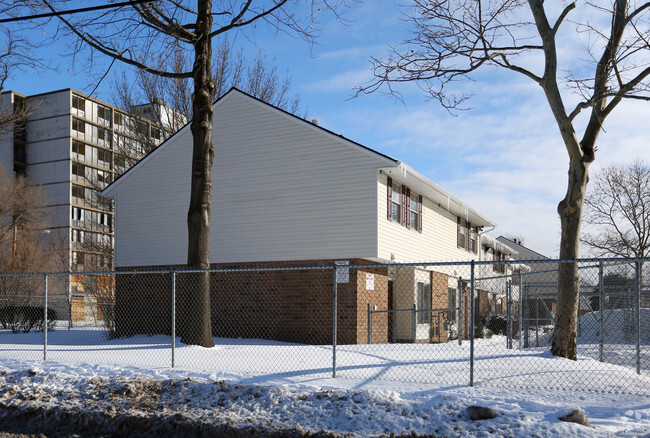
{"points": [[343, 82]]}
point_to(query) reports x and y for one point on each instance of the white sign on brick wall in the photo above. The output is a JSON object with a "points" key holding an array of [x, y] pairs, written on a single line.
{"points": [[370, 281]]}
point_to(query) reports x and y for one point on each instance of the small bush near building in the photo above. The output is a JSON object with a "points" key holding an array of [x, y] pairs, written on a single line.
{"points": [[22, 319]]}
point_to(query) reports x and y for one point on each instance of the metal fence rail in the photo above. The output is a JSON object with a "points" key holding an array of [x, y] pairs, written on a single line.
{"points": [[460, 323]]}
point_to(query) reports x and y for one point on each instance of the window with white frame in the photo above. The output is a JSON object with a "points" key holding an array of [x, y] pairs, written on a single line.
{"points": [[414, 203], [396, 203], [473, 240], [404, 206], [462, 233], [467, 237]]}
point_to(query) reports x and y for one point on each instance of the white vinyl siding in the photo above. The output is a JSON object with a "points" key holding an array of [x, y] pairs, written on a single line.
{"points": [[282, 189], [437, 242], [151, 211]]}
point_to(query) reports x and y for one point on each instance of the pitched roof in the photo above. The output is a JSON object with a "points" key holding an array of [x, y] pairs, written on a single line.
{"points": [[220, 101], [398, 170]]}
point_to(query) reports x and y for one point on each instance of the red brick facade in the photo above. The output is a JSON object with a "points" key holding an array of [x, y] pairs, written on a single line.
{"points": [[258, 301]]}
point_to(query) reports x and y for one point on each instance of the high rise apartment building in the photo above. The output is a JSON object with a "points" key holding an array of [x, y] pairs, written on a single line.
{"points": [[73, 146]]}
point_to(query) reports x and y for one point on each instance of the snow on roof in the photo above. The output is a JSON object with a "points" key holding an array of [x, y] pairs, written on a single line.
{"points": [[491, 242]]}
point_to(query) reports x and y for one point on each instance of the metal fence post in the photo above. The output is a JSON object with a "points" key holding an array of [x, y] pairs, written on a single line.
{"points": [[601, 322], [369, 326], [509, 314], [526, 315], [471, 327], [537, 322], [521, 314], [45, 319], [638, 317], [334, 328], [460, 311], [415, 338], [173, 319]]}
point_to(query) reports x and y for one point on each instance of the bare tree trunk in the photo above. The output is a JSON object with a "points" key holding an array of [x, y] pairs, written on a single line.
{"points": [[570, 211], [196, 324]]}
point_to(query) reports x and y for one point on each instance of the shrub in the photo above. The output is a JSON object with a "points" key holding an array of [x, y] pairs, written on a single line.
{"points": [[22, 319], [498, 324]]}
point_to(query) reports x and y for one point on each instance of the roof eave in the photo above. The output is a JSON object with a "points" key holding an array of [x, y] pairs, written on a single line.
{"points": [[424, 186]]}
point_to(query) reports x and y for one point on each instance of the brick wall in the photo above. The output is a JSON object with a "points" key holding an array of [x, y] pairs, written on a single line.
{"points": [[294, 305]]}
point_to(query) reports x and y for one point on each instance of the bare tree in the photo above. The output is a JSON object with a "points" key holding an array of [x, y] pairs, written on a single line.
{"points": [[454, 38], [21, 217], [258, 77], [16, 55], [617, 211], [147, 36], [24, 246]]}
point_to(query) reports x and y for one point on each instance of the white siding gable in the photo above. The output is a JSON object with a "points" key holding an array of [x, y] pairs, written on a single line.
{"points": [[282, 189]]}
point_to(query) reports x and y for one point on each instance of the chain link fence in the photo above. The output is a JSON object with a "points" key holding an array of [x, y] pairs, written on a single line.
{"points": [[451, 324]]}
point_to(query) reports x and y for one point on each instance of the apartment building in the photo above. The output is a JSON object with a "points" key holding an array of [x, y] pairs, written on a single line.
{"points": [[74, 145]]}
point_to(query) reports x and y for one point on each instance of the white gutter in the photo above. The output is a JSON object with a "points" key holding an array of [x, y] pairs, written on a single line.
{"points": [[404, 174]]}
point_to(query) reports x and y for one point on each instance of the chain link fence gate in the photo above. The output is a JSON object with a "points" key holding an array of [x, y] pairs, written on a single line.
{"points": [[478, 323]]}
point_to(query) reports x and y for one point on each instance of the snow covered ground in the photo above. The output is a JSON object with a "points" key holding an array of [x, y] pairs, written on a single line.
{"points": [[378, 389]]}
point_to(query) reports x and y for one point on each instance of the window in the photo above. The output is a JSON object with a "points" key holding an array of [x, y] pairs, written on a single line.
{"points": [[104, 155], [78, 169], [105, 219], [103, 176], [118, 118], [77, 214], [104, 112], [78, 147], [77, 236], [77, 258], [462, 233], [423, 302], [396, 204], [142, 128], [404, 206], [467, 236], [78, 102], [103, 134], [156, 133], [473, 239], [414, 214], [119, 160], [79, 126], [78, 191], [498, 257], [452, 304]]}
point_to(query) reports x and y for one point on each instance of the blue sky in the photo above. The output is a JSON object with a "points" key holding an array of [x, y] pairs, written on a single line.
{"points": [[504, 158]]}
